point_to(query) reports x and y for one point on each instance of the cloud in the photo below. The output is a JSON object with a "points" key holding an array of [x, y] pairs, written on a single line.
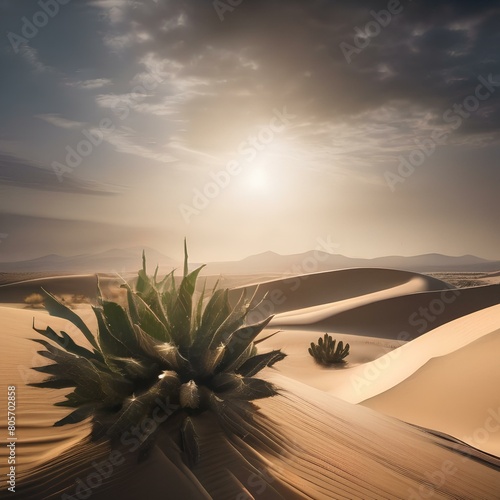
{"points": [[126, 140], [114, 10], [122, 138], [30, 55], [96, 83], [265, 54], [120, 42], [59, 121], [17, 172]]}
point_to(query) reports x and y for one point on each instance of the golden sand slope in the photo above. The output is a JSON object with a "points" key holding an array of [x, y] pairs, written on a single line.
{"points": [[301, 444], [35, 413], [311, 290], [396, 367], [380, 303], [305, 443], [446, 380]]}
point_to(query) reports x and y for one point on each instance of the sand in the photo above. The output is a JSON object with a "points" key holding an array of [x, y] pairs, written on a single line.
{"points": [[349, 432]]}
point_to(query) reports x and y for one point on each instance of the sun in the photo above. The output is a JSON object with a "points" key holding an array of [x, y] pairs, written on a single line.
{"points": [[258, 180]]}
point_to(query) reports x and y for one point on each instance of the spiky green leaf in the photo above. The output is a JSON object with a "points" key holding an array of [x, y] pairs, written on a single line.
{"points": [[53, 383], [180, 317], [77, 415], [66, 342], [59, 310], [232, 322], [216, 311], [224, 382], [147, 319], [119, 324], [238, 345], [255, 364], [136, 369], [250, 389], [133, 411], [190, 444], [109, 340]]}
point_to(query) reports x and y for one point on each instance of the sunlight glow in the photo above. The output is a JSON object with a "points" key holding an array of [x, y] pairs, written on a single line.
{"points": [[258, 180]]}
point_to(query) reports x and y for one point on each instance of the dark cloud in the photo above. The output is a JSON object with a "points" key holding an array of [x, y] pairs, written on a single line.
{"points": [[267, 54]]}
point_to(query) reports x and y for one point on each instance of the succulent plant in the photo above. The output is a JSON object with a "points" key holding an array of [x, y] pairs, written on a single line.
{"points": [[324, 351], [167, 349]]}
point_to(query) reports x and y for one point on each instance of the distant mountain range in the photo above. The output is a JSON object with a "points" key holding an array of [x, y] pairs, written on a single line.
{"points": [[313, 261], [125, 260], [111, 261]]}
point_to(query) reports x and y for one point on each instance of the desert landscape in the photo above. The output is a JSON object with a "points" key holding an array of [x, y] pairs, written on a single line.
{"points": [[411, 413], [249, 249]]}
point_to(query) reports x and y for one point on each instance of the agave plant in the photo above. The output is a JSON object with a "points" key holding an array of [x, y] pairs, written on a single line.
{"points": [[168, 347], [324, 351]]}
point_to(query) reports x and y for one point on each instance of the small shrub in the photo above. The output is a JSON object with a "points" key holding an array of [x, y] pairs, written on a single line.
{"points": [[35, 300], [72, 300], [79, 299], [324, 351]]}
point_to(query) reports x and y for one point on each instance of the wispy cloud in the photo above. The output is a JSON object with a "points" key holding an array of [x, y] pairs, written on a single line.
{"points": [[96, 83], [125, 140], [30, 55], [17, 172], [120, 42], [59, 121], [114, 10]]}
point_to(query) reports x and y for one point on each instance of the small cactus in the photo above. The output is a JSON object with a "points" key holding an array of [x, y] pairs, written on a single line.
{"points": [[324, 351]]}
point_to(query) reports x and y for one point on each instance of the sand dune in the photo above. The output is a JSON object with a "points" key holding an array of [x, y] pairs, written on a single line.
{"points": [[35, 410], [376, 302], [390, 370], [301, 444], [311, 441], [401, 317], [441, 380], [492, 275], [452, 389], [491, 279], [310, 290], [322, 313]]}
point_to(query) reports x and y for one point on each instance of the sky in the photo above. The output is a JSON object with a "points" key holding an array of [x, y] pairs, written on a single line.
{"points": [[249, 126]]}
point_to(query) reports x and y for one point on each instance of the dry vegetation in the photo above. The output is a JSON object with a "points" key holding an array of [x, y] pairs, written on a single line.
{"points": [[36, 300], [460, 280]]}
